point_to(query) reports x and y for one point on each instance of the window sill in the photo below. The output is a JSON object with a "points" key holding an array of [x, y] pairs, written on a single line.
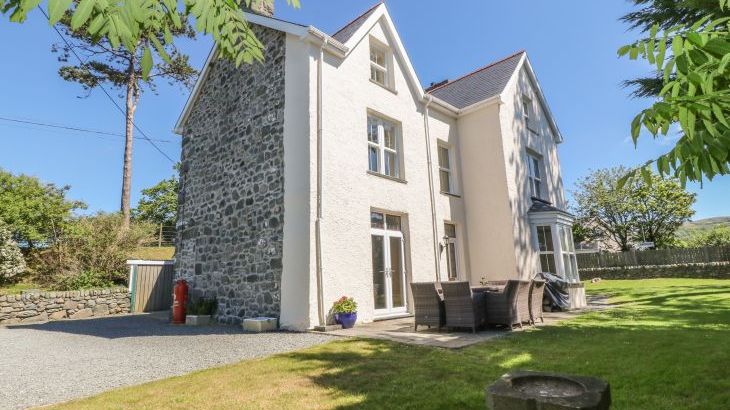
{"points": [[392, 90], [451, 194], [388, 177]]}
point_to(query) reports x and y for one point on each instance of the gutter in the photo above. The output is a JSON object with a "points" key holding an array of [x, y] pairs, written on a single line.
{"points": [[318, 222], [432, 195]]}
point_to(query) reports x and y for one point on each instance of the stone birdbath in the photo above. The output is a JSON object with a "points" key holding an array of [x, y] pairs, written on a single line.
{"points": [[527, 390]]}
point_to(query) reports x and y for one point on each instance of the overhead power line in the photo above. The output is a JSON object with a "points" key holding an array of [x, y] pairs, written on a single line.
{"points": [[70, 128], [121, 110]]}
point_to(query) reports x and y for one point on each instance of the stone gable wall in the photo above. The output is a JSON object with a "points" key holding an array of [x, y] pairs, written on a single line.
{"points": [[78, 304], [231, 205]]}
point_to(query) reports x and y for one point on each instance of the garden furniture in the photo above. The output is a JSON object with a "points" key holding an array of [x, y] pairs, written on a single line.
{"points": [[537, 290], [510, 306], [428, 305], [464, 308]]}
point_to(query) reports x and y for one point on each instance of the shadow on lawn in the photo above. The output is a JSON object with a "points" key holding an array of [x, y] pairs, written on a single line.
{"points": [[637, 351]]}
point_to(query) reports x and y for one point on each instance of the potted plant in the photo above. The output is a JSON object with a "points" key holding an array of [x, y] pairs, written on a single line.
{"points": [[345, 310], [200, 311]]}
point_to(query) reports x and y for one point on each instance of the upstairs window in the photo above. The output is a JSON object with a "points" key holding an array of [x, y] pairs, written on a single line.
{"points": [[384, 147], [534, 167], [528, 114], [379, 65], [445, 173]]}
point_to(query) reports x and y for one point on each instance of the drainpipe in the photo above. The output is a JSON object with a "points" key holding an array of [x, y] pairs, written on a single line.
{"points": [[318, 221], [436, 250]]}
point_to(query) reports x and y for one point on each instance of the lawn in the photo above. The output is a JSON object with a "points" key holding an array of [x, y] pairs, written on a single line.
{"points": [[666, 346]]}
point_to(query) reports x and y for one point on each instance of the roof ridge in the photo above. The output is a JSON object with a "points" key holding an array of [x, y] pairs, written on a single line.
{"points": [[358, 17], [478, 70]]}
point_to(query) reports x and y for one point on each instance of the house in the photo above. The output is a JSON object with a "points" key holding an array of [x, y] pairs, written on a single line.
{"points": [[328, 170]]}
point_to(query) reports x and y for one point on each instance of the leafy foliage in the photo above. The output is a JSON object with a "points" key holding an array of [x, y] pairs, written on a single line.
{"points": [[637, 211], [12, 262], [94, 249], [84, 280], [135, 24], [201, 306], [694, 61], [35, 212], [718, 236], [344, 305], [158, 204]]}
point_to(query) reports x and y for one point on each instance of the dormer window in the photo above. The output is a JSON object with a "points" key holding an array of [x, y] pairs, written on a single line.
{"points": [[379, 64]]}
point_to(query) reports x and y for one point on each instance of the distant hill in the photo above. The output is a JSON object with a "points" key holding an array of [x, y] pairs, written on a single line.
{"points": [[703, 224]]}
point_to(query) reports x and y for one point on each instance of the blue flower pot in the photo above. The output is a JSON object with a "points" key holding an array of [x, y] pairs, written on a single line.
{"points": [[347, 320]]}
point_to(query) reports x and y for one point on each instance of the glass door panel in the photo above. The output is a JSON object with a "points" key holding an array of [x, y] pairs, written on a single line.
{"points": [[379, 273], [397, 277]]}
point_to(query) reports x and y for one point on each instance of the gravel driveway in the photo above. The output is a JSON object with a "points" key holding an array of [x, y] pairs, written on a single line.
{"points": [[57, 361]]}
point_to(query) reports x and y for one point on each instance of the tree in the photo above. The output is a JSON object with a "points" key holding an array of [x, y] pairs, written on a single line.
{"points": [[665, 14], [158, 204], [694, 59], [126, 69], [36, 213], [126, 23], [634, 212], [12, 262], [662, 206], [717, 236]]}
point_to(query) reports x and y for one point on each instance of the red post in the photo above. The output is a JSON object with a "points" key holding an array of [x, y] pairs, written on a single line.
{"points": [[179, 301]]}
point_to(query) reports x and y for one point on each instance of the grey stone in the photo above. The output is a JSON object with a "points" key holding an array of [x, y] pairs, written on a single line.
{"points": [[229, 244], [528, 390], [70, 305], [100, 310], [42, 317], [57, 315], [83, 313]]}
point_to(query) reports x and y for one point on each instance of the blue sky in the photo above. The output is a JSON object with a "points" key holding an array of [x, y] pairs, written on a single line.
{"points": [[572, 45]]}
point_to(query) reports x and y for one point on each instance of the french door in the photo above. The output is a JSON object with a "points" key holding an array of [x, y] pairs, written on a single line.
{"points": [[389, 273]]}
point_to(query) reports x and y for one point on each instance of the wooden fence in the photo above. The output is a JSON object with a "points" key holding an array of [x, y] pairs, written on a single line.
{"points": [[654, 257], [150, 284]]}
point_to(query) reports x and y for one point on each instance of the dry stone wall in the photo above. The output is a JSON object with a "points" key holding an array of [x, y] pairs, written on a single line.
{"points": [[79, 304], [717, 270]]}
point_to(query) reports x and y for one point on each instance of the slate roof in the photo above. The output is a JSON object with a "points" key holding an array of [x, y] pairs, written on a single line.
{"points": [[346, 32], [478, 85], [542, 206]]}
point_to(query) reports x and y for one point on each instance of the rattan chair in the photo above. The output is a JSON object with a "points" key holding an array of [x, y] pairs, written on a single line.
{"points": [[428, 305], [537, 289], [464, 308], [510, 306]]}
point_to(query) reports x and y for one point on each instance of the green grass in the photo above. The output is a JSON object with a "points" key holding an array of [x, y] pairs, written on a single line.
{"points": [[154, 253], [666, 346], [16, 288]]}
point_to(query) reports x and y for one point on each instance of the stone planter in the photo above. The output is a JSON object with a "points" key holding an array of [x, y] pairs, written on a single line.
{"points": [[260, 324], [525, 390], [198, 320]]}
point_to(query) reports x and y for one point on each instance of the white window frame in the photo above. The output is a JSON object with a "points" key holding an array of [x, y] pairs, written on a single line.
{"points": [[449, 241], [382, 149], [383, 68], [535, 174], [450, 170], [528, 113], [560, 225]]}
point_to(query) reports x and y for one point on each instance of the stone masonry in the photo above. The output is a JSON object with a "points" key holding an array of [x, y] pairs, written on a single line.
{"points": [[79, 304], [231, 204], [712, 270]]}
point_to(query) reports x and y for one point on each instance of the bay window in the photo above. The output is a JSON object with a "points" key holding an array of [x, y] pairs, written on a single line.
{"points": [[553, 235]]}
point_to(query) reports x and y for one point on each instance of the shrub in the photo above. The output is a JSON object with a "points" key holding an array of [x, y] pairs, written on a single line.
{"points": [[12, 262], [93, 249], [202, 307], [717, 236], [344, 305], [84, 280]]}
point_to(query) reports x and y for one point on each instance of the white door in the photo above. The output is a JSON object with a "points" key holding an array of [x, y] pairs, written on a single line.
{"points": [[389, 274]]}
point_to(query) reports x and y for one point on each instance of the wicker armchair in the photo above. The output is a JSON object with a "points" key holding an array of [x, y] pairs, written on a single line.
{"points": [[510, 306], [463, 307], [537, 289], [428, 305]]}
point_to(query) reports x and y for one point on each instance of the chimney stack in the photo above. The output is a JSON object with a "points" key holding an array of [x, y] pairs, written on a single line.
{"points": [[262, 7]]}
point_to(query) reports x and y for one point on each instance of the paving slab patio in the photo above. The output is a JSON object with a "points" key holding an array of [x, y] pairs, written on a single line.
{"points": [[401, 329]]}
